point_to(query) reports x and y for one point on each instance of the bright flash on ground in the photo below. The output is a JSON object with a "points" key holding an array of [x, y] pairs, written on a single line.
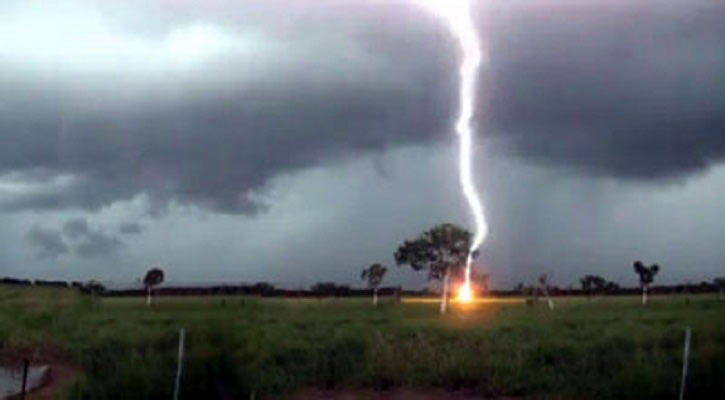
{"points": [[465, 294]]}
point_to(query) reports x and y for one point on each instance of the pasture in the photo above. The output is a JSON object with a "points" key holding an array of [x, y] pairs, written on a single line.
{"points": [[600, 348]]}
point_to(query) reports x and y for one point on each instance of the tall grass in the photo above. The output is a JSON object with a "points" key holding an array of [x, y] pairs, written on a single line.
{"points": [[599, 349]]}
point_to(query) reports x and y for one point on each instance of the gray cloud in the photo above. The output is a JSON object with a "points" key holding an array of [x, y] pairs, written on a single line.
{"points": [[98, 244], [621, 89], [625, 89], [76, 228], [195, 140], [130, 228], [88, 242], [48, 243]]}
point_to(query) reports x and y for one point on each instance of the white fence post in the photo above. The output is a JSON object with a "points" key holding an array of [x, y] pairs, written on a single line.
{"points": [[179, 363], [686, 356]]}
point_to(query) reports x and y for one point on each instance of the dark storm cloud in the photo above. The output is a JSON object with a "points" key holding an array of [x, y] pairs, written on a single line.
{"points": [[198, 141], [76, 228], [89, 242], [627, 89], [97, 244], [130, 228], [48, 243], [623, 89]]}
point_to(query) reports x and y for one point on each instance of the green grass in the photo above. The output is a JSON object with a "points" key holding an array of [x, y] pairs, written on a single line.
{"points": [[608, 348]]}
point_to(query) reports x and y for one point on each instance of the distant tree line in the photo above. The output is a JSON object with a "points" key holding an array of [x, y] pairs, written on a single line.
{"points": [[596, 285], [331, 289]]}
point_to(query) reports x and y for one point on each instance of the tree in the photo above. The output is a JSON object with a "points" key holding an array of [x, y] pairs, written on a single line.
{"points": [[720, 283], [374, 275], [93, 287], [587, 284], [153, 278], [440, 251], [592, 284], [263, 289], [646, 277], [330, 289], [611, 287], [595, 284], [544, 285]]}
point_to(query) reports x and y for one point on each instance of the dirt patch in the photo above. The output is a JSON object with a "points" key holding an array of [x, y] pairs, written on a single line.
{"points": [[395, 394], [60, 374], [61, 370]]}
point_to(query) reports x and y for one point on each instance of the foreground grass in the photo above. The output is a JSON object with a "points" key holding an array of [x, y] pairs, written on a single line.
{"points": [[599, 349]]}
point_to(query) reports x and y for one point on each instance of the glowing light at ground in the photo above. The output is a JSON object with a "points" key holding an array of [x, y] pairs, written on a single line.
{"points": [[465, 294], [457, 15], [480, 300]]}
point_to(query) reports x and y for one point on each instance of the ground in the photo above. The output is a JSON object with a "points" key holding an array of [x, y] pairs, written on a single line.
{"points": [[600, 348]]}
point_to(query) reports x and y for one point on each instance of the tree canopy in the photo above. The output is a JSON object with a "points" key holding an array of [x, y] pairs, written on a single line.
{"points": [[646, 274], [154, 277], [437, 250], [374, 275]]}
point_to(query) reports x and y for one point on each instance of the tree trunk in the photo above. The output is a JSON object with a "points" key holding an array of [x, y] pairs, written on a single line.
{"points": [[375, 296], [644, 295], [148, 296], [446, 284], [549, 301]]}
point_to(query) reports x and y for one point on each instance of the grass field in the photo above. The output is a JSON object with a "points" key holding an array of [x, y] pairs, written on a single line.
{"points": [[605, 348]]}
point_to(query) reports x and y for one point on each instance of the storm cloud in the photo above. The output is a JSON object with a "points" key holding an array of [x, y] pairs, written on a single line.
{"points": [[76, 228], [97, 244], [204, 110], [251, 136], [48, 243], [625, 89], [130, 228], [90, 242], [213, 135]]}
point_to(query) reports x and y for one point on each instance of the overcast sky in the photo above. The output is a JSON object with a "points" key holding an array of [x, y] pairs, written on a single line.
{"points": [[299, 141]]}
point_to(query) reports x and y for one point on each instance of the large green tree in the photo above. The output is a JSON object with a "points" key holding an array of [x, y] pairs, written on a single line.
{"points": [[374, 275], [441, 251]]}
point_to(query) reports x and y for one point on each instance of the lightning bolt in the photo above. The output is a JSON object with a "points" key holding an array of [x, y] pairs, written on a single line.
{"points": [[458, 17]]}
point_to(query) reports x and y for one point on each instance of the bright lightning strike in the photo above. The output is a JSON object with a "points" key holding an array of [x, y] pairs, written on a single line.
{"points": [[457, 15]]}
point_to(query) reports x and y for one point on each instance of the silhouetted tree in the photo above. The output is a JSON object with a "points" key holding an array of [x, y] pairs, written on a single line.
{"points": [[587, 284], [94, 288], [330, 289], [153, 278], [441, 251], [324, 288], [646, 277], [544, 285], [374, 275], [720, 283], [263, 289], [592, 284], [611, 287]]}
